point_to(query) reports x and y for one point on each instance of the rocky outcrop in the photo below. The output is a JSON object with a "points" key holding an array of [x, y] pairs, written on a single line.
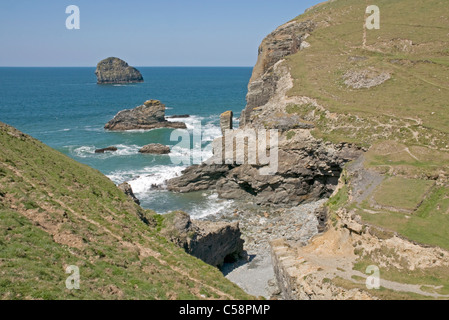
{"points": [[308, 168], [115, 71], [284, 41], [226, 121], [150, 115], [108, 149], [212, 242], [127, 189], [198, 177], [365, 79], [155, 148]]}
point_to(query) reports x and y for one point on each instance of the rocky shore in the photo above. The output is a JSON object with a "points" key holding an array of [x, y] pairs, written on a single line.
{"points": [[286, 206]]}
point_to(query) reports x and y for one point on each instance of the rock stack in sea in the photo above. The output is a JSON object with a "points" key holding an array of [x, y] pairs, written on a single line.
{"points": [[226, 121], [116, 71], [150, 115]]}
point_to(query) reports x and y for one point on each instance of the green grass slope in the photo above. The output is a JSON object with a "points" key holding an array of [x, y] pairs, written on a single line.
{"points": [[412, 45], [403, 121], [55, 212]]}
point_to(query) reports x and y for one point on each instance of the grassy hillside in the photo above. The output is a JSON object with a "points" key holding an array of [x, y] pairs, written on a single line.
{"points": [[55, 212], [411, 46], [403, 119]]}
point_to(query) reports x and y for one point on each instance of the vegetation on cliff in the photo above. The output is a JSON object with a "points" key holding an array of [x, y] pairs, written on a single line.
{"points": [[388, 95], [56, 212]]}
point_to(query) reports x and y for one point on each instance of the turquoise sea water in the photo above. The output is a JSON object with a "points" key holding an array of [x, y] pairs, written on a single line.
{"points": [[67, 110]]}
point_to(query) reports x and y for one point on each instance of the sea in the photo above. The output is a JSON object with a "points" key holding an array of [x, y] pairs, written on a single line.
{"points": [[66, 109]]}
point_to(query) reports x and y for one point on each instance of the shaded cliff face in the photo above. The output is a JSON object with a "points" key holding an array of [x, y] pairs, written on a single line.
{"points": [[115, 71], [212, 242]]}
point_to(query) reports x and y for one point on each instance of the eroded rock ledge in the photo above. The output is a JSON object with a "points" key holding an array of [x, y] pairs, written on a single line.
{"points": [[150, 115], [308, 171], [116, 71], [212, 242]]}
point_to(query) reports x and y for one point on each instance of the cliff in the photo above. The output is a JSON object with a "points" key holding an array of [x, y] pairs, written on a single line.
{"points": [[387, 97], [361, 118], [150, 115], [56, 212], [116, 71]]}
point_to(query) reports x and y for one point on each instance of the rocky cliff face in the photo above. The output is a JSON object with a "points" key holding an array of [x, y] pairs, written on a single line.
{"points": [[150, 115], [284, 41], [127, 189], [115, 71], [212, 242]]}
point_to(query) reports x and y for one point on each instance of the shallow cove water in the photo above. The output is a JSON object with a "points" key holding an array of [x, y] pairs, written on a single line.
{"points": [[67, 110]]}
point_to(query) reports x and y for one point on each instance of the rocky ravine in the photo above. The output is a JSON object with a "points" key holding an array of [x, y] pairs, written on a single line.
{"points": [[309, 170], [116, 71]]}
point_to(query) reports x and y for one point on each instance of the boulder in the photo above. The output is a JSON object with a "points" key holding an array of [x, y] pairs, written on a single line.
{"points": [[212, 242], [155, 148], [126, 188], [108, 149], [150, 115], [115, 71]]}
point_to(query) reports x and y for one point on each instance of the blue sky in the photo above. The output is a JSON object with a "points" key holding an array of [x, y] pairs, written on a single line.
{"points": [[142, 32]]}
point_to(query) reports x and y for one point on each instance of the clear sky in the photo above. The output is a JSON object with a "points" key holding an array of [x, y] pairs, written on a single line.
{"points": [[142, 32]]}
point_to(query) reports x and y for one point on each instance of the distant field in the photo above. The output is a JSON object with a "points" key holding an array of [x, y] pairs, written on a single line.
{"points": [[402, 194]]}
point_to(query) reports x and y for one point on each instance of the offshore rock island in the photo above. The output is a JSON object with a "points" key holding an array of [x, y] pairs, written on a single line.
{"points": [[116, 71], [150, 115]]}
